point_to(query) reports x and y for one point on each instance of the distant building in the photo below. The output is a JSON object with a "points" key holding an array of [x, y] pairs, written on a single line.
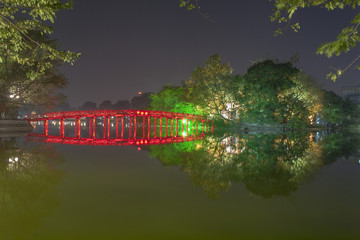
{"points": [[352, 92], [141, 101]]}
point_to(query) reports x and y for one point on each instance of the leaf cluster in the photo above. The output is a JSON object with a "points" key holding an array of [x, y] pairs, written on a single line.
{"points": [[347, 39], [189, 4]]}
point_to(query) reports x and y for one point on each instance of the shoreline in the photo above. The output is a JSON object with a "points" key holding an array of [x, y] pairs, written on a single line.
{"points": [[9, 128]]}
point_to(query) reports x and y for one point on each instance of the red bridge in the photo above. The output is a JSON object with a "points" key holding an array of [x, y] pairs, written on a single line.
{"points": [[119, 127]]}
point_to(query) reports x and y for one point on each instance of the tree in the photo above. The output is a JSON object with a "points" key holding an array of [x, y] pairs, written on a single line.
{"points": [[122, 104], [210, 87], [172, 99], [141, 102], [284, 11], [105, 105], [88, 106], [18, 89], [28, 57], [337, 111], [303, 100], [264, 83]]}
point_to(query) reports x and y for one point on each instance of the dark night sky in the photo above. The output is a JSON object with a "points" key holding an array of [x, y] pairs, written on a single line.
{"points": [[140, 45]]}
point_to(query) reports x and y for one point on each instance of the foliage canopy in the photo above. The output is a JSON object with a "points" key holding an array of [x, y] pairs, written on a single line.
{"points": [[270, 92], [25, 44]]}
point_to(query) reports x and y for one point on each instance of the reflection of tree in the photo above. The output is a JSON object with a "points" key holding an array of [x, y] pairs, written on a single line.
{"points": [[27, 182], [340, 144], [206, 162], [276, 165], [267, 164]]}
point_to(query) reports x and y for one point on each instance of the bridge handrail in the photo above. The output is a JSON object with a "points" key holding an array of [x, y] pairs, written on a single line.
{"points": [[99, 113]]}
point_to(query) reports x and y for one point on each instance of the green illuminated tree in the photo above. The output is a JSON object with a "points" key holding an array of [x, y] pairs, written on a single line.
{"points": [[28, 57], [172, 99]]}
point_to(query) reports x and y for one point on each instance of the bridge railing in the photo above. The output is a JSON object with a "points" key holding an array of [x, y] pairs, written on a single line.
{"points": [[99, 113], [151, 121]]}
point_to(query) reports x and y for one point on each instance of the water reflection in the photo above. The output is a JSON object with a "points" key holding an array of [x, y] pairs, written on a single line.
{"points": [[113, 192], [27, 196], [268, 164]]}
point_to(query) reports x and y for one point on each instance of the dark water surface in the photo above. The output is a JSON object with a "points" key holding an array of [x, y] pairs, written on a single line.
{"points": [[268, 186]]}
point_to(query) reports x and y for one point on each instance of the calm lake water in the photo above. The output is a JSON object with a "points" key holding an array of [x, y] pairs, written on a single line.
{"points": [[247, 186]]}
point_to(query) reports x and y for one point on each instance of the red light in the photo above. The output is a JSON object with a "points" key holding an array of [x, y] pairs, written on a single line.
{"points": [[139, 148], [95, 114]]}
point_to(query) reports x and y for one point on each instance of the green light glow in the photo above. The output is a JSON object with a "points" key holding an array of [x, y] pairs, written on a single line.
{"points": [[184, 134], [184, 120]]}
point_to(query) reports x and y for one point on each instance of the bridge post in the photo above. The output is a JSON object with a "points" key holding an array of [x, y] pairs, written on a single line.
{"points": [[90, 122], [94, 127], [148, 127], [143, 127], [182, 126], [129, 127], [135, 126], [160, 126], [177, 127], [104, 128], [172, 127], [166, 127], [117, 127], [108, 125], [155, 127], [46, 127], [122, 126], [62, 127], [77, 127]]}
